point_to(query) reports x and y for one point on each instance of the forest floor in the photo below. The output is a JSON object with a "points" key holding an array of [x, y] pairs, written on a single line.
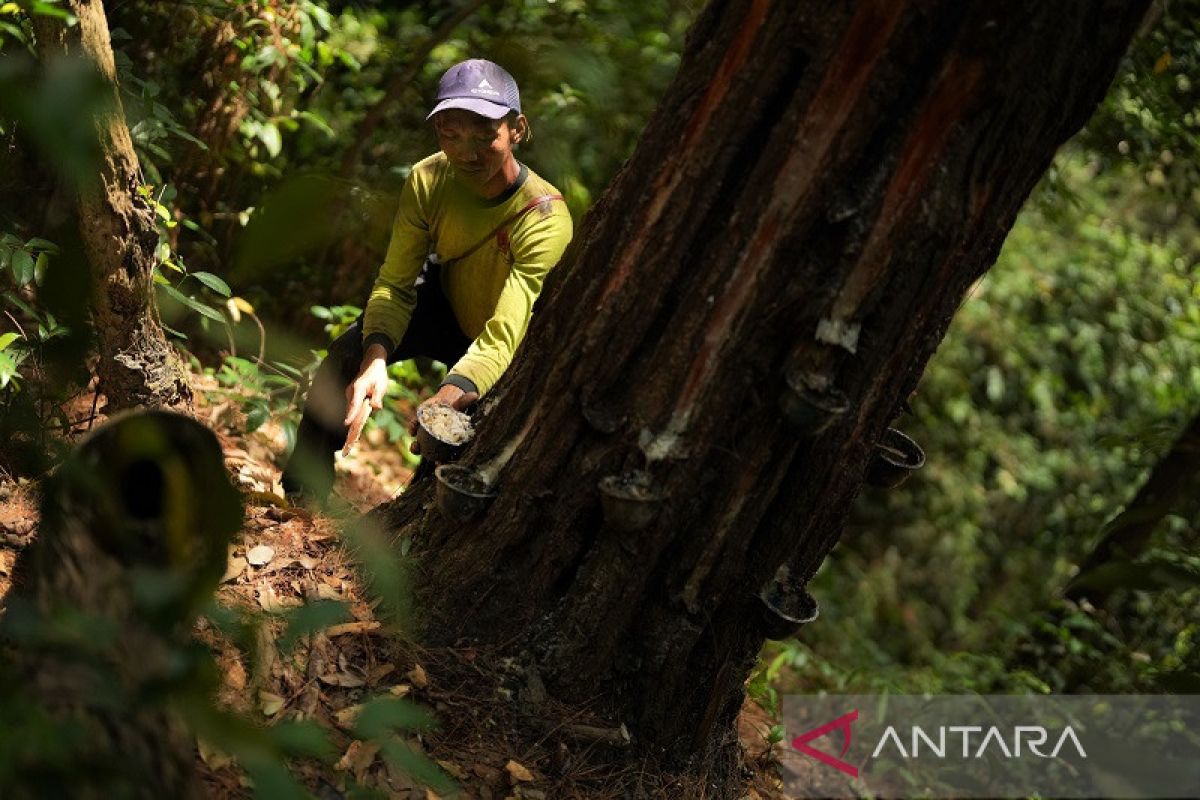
{"points": [[486, 739]]}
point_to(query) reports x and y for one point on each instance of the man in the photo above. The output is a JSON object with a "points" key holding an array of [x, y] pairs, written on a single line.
{"points": [[475, 235]]}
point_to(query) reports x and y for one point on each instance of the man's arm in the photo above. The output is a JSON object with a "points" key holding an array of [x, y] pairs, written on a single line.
{"points": [[391, 303]]}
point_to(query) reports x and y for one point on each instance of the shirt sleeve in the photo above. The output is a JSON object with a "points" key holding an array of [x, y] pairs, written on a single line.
{"points": [[536, 250], [394, 294]]}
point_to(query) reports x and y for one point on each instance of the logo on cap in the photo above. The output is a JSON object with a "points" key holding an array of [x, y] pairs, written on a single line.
{"points": [[485, 88]]}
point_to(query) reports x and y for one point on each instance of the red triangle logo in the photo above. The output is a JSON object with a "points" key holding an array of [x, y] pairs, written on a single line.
{"points": [[841, 723]]}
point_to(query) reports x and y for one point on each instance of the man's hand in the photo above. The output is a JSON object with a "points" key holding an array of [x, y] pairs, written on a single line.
{"points": [[369, 388], [448, 395]]}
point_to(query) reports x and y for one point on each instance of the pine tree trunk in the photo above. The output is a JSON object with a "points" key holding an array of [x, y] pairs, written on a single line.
{"points": [[137, 366], [818, 190]]}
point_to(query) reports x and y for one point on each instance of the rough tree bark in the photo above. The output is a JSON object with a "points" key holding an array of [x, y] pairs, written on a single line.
{"points": [[137, 365], [819, 188]]}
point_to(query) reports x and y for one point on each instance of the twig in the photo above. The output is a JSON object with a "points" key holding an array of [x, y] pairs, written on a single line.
{"points": [[613, 737], [14, 322], [95, 402]]}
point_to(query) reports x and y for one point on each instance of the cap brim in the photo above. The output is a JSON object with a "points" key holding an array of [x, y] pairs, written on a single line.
{"points": [[484, 108]]}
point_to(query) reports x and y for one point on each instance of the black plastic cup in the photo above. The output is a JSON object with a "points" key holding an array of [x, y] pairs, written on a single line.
{"points": [[784, 610], [810, 410], [462, 493], [896, 457], [627, 500]]}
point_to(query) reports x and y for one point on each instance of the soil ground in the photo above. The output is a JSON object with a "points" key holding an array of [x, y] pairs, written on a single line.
{"points": [[492, 738]]}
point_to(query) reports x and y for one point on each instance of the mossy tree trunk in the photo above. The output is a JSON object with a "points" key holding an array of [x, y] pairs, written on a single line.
{"points": [[137, 365], [817, 192]]}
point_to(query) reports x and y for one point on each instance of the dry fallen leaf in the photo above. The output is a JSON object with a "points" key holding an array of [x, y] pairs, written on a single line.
{"points": [[260, 556], [273, 601], [345, 718], [214, 758], [235, 675], [517, 772], [345, 679], [400, 691], [376, 673], [358, 757], [418, 677], [270, 703], [350, 627], [236, 566]]}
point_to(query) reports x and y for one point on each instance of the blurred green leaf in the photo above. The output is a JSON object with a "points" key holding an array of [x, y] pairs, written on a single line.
{"points": [[312, 617], [385, 715], [416, 765]]}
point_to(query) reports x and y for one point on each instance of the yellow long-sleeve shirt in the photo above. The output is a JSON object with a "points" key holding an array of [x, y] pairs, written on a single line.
{"points": [[492, 291]]}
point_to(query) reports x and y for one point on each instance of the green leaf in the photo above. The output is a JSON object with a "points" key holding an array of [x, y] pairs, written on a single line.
{"points": [[318, 122], [272, 779], [302, 739], [203, 234], [42, 244], [287, 369], [21, 304], [313, 616], [195, 305], [416, 765], [385, 715], [39, 267], [22, 267], [173, 332], [45, 9], [13, 31], [269, 134], [387, 576], [8, 339], [8, 368], [213, 282], [257, 417]]}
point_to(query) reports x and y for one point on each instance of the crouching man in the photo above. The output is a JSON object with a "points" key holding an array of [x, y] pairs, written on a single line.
{"points": [[475, 235]]}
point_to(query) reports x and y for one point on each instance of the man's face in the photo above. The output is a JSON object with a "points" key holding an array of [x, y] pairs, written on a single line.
{"points": [[478, 147]]}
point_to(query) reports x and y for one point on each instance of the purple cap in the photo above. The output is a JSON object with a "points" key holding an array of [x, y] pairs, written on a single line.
{"points": [[480, 86]]}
